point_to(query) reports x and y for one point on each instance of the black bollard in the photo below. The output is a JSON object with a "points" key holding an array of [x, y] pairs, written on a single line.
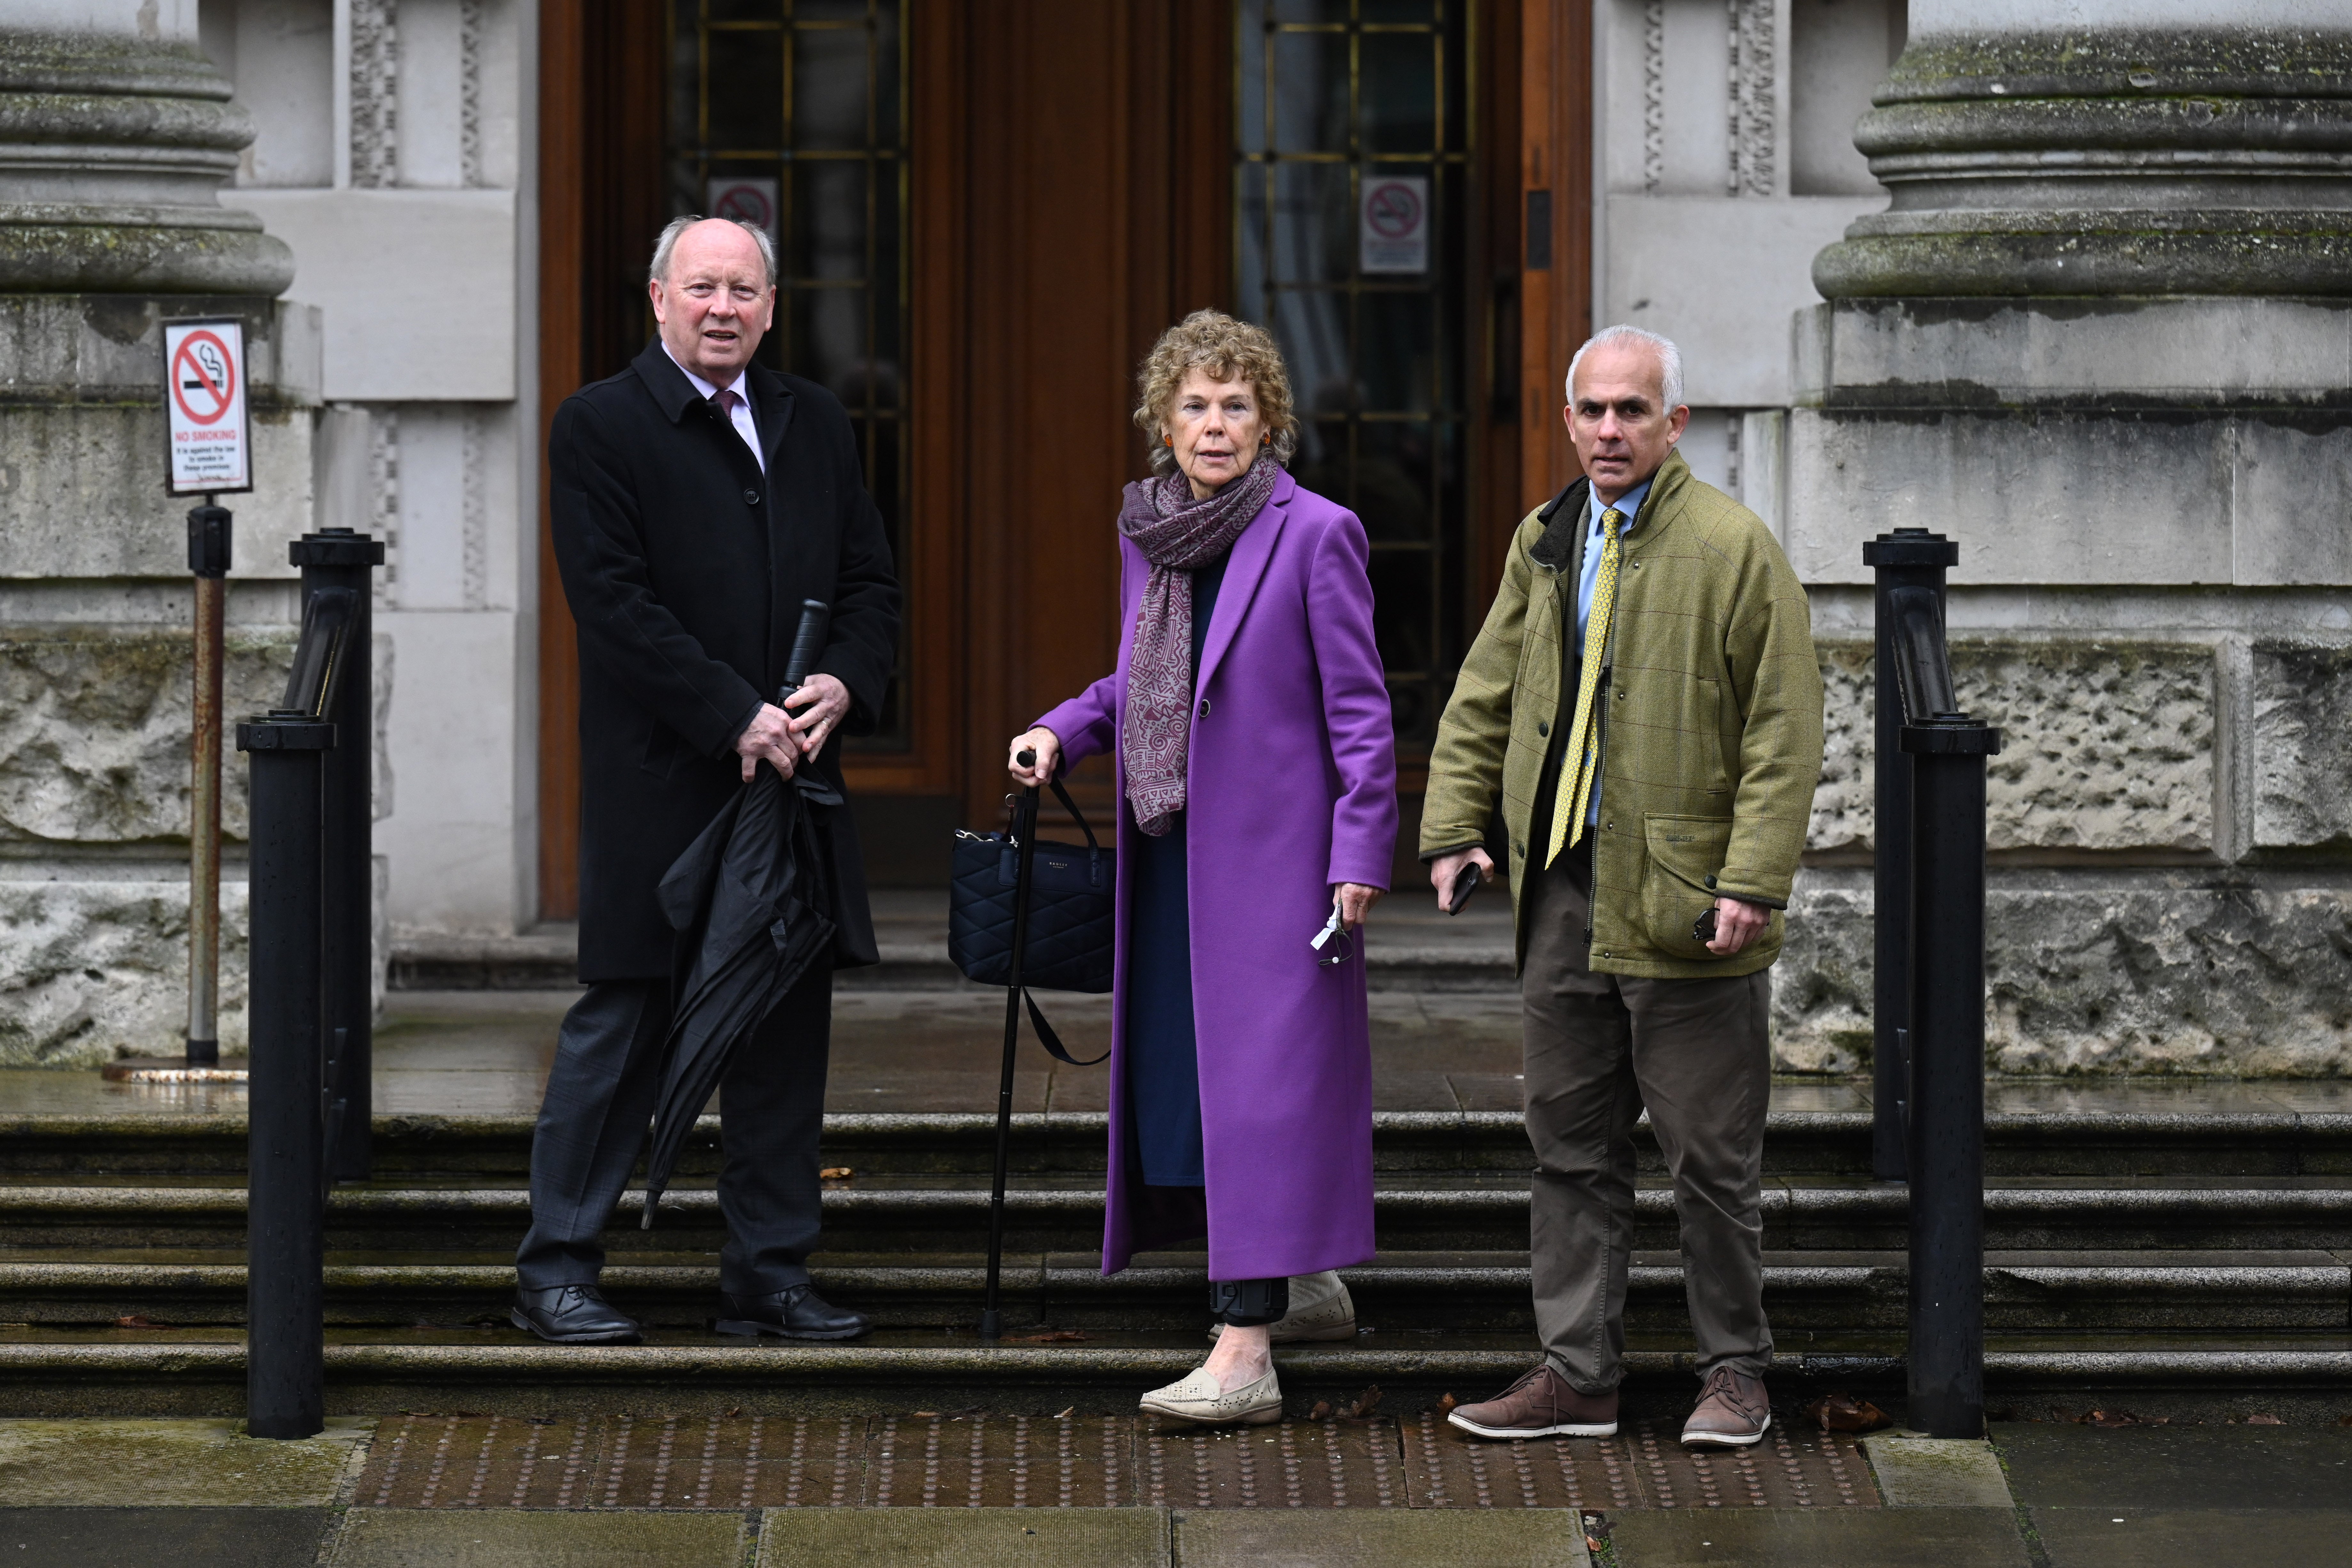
{"points": [[1905, 559], [285, 1208], [1948, 751], [210, 529], [335, 558]]}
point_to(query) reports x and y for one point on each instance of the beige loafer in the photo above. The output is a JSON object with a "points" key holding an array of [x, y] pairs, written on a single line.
{"points": [[1196, 1400], [1320, 1309]]}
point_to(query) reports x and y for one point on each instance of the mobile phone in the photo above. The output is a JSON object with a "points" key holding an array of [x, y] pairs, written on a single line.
{"points": [[1466, 882], [1703, 928]]}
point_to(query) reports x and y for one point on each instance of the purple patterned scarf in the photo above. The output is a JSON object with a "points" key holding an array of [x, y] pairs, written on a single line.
{"points": [[1175, 533]]}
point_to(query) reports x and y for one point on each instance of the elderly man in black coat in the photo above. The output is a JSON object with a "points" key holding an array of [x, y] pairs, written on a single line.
{"points": [[696, 499]]}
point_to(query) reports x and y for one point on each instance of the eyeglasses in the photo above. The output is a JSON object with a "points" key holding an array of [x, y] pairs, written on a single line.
{"points": [[1333, 946]]}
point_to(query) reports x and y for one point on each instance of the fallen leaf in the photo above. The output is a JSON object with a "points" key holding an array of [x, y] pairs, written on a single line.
{"points": [[835, 1173], [1845, 1413], [136, 1322], [1592, 1545], [925, 1415], [1363, 1404], [733, 1411], [2264, 1421], [1065, 1415], [1051, 1336], [1445, 1405], [1322, 1412]]}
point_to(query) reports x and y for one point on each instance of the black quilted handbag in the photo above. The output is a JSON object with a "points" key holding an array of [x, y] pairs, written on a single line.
{"points": [[1071, 907]]}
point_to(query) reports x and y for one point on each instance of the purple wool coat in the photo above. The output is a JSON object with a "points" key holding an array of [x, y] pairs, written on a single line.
{"points": [[1290, 787]]}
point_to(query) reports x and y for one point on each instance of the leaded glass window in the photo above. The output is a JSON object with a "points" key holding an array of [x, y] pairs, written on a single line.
{"points": [[1352, 194], [794, 113]]}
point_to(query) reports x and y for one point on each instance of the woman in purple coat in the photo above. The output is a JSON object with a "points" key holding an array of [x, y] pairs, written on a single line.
{"points": [[1248, 726]]}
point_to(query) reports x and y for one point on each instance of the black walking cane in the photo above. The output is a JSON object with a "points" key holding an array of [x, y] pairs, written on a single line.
{"points": [[1025, 832]]}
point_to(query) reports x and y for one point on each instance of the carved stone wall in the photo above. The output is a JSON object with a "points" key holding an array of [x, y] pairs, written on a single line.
{"points": [[2302, 747], [96, 671], [2131, 926], [94, 724], [2235, 973], [2109, 744]]}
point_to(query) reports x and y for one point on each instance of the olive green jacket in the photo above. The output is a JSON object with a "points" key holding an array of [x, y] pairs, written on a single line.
{"points": [[1710, 724]]}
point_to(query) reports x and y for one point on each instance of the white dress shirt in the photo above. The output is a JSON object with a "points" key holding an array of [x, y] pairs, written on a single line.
{"points": [[739, 415]]}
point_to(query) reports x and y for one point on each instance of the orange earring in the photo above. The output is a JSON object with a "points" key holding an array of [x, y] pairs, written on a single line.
{"points": [[1167, 441]]}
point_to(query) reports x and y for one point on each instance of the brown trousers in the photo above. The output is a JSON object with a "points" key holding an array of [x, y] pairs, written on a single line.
{"points": [[1600, 1047]]}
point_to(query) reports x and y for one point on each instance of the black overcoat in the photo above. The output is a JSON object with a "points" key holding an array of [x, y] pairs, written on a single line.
{"points": [[685, 567]]}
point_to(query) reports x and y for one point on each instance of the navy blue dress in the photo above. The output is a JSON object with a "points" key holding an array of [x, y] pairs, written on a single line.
{"points": [[1164, 1075]]}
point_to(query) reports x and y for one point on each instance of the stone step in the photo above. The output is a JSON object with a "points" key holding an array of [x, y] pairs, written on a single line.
{"points": [[128, 1372], [1398, 1293], [1412, 947], [2057, 1143], [1412, 1211]]}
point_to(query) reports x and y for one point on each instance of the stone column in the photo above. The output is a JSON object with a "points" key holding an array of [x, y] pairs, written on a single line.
{"points": [[2101, 335], [115, 137]]}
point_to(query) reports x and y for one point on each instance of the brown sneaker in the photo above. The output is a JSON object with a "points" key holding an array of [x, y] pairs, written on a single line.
{"points": [[1542, 1404], [1732, 1413]]}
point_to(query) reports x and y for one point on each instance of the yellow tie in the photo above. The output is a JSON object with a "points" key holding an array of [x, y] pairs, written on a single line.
{"points": [[1567, 816]]}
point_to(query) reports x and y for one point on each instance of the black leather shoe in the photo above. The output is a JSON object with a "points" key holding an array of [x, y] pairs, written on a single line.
{"points": [[571, 1314], [797, 1312]]}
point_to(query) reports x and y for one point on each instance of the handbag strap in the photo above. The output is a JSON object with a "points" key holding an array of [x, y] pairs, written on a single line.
{"points": [[1072, 808], [1049, 1040]]}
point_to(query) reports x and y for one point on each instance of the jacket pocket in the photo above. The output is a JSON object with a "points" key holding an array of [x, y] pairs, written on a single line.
{"points": [[1711, 735], [1678, 872], [662, 751]]}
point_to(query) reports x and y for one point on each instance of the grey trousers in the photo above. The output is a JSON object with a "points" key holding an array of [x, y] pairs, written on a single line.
{"points": [[1600, 1047], [595, 1122]]}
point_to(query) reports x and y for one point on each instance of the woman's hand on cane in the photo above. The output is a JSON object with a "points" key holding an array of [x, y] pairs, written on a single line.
{"points": [[1047, 747]]}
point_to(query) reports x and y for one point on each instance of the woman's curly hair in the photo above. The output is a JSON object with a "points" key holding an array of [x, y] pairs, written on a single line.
{"points": [[1228, 351]]}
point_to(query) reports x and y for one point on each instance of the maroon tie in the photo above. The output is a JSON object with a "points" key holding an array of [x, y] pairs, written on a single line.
{"points": [[726, 399]]}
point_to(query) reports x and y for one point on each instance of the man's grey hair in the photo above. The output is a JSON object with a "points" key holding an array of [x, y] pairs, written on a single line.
{"points": [[1670, 360], [659, 271]]}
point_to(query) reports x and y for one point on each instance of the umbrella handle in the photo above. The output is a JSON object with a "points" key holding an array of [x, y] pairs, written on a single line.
{"points": [[1025, 823], [808, 643]]}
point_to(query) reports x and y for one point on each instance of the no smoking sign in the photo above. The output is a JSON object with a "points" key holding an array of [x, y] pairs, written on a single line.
{"points": [[1393, 223], [745, 200], [210, 438]]}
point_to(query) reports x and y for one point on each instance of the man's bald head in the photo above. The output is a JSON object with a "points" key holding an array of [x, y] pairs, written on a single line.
{"points": [[707, 230], [714, 291]]}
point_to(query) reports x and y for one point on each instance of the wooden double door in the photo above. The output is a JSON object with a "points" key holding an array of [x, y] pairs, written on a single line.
{"points": [[986, 215]]}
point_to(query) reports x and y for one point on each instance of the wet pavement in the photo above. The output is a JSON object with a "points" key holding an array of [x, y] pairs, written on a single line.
{"points": [[968, 1489], [486, 1053]]}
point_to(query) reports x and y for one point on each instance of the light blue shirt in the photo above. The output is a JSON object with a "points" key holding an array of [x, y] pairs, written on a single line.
{"points": [[1596, 539]]}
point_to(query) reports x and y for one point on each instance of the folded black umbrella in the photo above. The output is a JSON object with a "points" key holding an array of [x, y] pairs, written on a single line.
{"points": [[752, 905]]}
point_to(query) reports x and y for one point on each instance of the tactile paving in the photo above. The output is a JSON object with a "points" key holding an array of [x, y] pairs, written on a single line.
{"points": [[991, 1460]]}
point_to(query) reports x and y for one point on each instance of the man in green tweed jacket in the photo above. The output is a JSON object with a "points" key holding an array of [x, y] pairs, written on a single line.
{"points": [[1644, 703]]}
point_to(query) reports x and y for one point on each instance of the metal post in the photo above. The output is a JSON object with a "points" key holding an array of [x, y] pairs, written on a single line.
{"points": [[208, 558], [1907, 558], [1025, 828], [286, 1206], [1947, 922], [342, 558]]}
